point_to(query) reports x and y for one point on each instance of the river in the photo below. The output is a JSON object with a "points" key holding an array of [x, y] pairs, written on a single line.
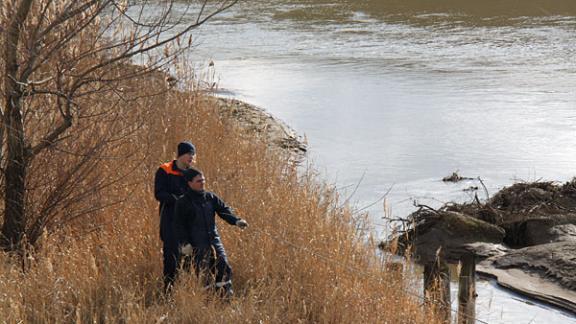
{"points": [[394, 95]]}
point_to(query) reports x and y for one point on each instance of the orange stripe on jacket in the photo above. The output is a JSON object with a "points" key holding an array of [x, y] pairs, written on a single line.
{"points": [[168, 167]]}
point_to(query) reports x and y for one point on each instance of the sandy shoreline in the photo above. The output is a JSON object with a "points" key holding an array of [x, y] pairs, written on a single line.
{"points": [[255, 119]]}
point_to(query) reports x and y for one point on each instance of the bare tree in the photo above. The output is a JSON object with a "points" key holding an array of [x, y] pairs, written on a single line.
{"points": [[57, 57]]}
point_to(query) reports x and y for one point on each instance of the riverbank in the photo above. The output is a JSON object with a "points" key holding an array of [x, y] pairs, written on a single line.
{"points": [[293, 264], [257, 122], [524, 237]]}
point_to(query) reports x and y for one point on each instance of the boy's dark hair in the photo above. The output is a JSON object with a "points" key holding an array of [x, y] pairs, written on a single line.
{"points": [[190, 174]]}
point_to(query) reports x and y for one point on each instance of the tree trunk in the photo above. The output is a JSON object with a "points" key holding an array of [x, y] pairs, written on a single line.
{"points": [[16, 153], [15, 176]]}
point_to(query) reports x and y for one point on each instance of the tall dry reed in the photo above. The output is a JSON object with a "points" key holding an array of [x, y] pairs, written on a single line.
{"points": [[301, 260]]}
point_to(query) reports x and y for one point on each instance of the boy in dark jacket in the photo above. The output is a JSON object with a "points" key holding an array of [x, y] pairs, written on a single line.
{"points": [[197, 233]]}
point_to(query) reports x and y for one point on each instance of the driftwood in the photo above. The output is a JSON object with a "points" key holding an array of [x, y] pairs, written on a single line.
{"points": [[455, 177], [467, 290]]}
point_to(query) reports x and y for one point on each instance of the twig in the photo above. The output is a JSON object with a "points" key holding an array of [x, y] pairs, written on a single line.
{"points": [[353, 191], [422, 206], [485, 189], [375, 202]]}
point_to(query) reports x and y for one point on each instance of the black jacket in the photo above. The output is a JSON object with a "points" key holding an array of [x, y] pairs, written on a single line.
{"points": [[194, 218], [169, 184]]}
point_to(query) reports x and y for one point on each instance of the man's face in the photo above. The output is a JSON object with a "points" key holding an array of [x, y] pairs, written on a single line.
{"points": [[197, 183], [187, 159]]}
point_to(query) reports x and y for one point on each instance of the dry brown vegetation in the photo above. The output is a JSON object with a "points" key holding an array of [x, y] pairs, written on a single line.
{"points": [[94, 224], [301, 260]]}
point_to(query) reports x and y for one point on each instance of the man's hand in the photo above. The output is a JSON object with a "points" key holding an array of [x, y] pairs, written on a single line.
{"points": [[186, 249], [241, 223]]}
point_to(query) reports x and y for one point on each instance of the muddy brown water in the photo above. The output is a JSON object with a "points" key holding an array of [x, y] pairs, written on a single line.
{"points": [[400, 94]]}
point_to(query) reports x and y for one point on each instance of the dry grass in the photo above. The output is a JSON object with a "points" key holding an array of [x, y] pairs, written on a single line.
{"points": [[300, 261]]}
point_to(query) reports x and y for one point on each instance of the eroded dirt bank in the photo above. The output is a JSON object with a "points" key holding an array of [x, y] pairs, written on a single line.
{"points": [[524, 237]]}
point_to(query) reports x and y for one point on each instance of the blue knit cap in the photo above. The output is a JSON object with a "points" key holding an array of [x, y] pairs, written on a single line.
{"points": [[186, 147]]}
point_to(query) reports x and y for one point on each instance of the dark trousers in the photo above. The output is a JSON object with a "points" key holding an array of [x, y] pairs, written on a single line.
{"points": [[213, 266], [171, 258], [216, 269]]}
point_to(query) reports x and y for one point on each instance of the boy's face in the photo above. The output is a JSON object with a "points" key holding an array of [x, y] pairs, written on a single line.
{"points": [[197, 183], [187, 159]]}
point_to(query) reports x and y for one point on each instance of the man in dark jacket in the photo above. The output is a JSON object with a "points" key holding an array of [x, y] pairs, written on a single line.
{"points": [[169, 185], [197, 233]]}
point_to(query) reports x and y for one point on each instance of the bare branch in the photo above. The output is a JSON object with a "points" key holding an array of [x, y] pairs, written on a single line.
{"points": [[31, 66], [69, 84], [158, 44]]}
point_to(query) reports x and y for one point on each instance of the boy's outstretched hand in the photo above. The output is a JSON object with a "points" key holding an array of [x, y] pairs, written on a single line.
{"points": [[241, 223]]}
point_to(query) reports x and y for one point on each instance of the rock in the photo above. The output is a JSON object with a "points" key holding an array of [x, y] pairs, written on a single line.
{"points": [[486, 250], [540, 229], [554, 261], [546, 272], [449, 232], [539, 222], [546, 230], [566, 232]]}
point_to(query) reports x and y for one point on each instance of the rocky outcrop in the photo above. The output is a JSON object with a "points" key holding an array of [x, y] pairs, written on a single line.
{"points": [[536, 222], [546, 272], [448, 233], [543, 230]]}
